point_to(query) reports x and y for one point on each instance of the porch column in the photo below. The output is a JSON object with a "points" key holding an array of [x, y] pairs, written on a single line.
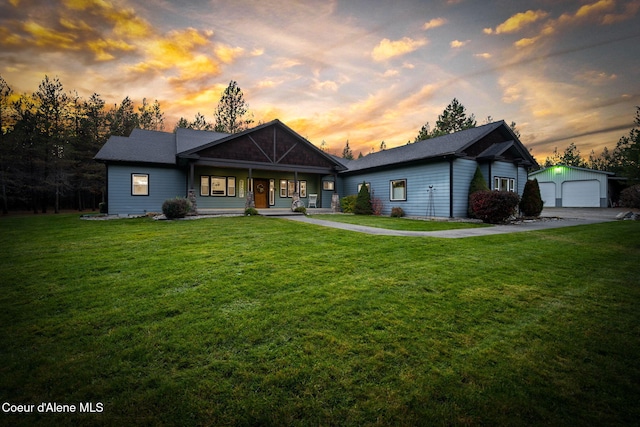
{"points": [[335, 197], [191, 194], [250, 202]]}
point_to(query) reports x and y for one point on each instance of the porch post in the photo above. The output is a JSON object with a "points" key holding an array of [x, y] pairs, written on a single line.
{"points": [[250, 202], [335, 197], [191, 194]]}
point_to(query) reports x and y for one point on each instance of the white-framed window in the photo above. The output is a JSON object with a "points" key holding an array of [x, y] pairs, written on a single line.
{"points": [[398, 190], [328, 185], [289, 187], [204, 185], [139, 184], [272, 192], [231, 186], [504, 184], [219, 186]]}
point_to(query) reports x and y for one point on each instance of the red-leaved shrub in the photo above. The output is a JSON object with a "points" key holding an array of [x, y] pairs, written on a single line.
{"points": [[494, 207]]}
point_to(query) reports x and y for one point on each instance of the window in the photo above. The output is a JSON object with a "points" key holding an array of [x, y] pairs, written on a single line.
{"points": [[139, 184], [272, 192], [283, 188], [303, 189], [231, 186], [204, 186], [504, 184], [398, 190], [218, 186], [328, 185]]}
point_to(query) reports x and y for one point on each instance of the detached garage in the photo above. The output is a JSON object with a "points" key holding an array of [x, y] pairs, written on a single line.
{"points": [[571, 187]]}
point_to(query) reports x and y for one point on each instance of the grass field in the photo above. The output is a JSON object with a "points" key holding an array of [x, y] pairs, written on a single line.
{"points": [[263, 321]]}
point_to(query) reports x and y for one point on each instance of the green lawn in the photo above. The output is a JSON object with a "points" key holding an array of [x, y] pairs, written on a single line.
{"points": [[406, 224], [264, 321]]}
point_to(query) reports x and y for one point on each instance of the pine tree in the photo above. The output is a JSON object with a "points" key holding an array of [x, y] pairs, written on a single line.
{"points": [[363, 202], [531, 203], [232, 111]]}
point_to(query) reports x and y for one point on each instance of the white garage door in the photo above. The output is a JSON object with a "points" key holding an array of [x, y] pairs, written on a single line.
{"points": [[548, 193], [581, 194]]}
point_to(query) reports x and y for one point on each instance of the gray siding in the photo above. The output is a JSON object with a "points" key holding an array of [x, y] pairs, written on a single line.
{"points": [[164, 183], [462, 175], [421, 200]]}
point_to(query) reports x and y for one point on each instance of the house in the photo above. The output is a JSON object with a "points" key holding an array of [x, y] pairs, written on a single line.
{"points": [[271, 165], [570, 186], [432, 177]]}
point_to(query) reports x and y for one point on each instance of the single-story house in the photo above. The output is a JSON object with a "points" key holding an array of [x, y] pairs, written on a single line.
{"points": [[569, 186], [270, 166]]}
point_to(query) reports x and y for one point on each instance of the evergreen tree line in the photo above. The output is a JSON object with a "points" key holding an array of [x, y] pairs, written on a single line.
{"points": [[48, 140]]}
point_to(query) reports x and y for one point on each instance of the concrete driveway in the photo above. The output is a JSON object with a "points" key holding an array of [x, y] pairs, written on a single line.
{"points": [[550, 218]]}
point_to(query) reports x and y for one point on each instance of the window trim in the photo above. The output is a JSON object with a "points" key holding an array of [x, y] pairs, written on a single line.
{"points": [[208, 186], [133, 185], [498, 182], [328, 185], [391, 187]]}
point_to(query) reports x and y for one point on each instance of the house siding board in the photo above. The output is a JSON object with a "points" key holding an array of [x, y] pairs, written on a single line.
{"points": [[164, 183], [463, 171], [419, 178]]}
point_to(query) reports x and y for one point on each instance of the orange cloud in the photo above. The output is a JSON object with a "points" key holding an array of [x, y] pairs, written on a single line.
{"points": [[387, 49], [456, 44], [434, 23], [48, 37], [517, 22]]}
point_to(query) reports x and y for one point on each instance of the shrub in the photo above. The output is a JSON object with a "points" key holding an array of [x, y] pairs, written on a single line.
{"points": [[301, 209], [103, 207], [251, 212], [176, 208], [478, 183], [363, 201], [494, 207], [531, 203], [376, 206], [397, 212], [348, 203], [630, 197]]}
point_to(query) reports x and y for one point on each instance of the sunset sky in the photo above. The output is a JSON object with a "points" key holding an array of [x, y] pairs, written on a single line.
{"points": [[357, 70]]}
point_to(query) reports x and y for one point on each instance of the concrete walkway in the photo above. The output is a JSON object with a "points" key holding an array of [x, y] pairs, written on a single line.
{"points": [[550, 218]]}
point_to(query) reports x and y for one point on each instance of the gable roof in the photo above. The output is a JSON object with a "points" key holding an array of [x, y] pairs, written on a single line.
{"points": [[260, 147], [446, 146]]}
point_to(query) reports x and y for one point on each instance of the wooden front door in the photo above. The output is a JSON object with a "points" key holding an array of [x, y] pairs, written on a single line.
{"points": [[261, 193]]}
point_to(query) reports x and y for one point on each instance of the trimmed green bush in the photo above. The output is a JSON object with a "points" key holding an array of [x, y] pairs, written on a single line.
{"points": [[478, 183], [301, 209], [363, 201], [176, 208], [630, 197], [531, 203], [397, 212], [348, 203], [494, 207], [251, 212]]}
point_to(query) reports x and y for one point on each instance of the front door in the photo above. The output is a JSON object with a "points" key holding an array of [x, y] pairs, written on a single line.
{"points": [[261, 193]]}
